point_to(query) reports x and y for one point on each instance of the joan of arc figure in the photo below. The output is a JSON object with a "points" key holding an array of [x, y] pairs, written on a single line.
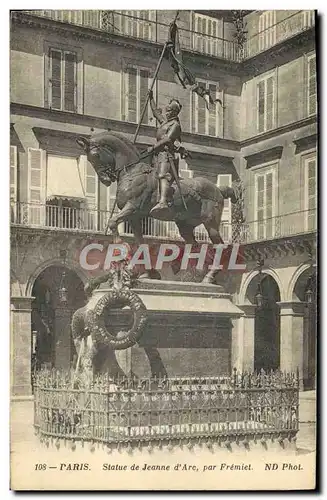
{"points": [[168, 142]]}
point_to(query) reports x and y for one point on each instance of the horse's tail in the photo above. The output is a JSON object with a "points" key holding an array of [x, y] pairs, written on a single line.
{"points": [[228, 192]]}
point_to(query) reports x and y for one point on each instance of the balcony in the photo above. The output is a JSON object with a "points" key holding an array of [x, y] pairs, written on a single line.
{"points": [[278, 32], [142, 25], [281, 226], [94, 221]]}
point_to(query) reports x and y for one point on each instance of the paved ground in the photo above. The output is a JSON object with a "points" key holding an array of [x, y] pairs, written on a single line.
{"points": [[27, 453]]}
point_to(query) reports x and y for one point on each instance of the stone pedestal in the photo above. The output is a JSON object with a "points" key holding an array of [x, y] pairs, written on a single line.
{"points": [[21, 345], [188, 332], [291, 337]]}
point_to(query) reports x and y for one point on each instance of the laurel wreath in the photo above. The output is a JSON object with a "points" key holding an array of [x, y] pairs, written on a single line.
{"points": [[117, 298]]}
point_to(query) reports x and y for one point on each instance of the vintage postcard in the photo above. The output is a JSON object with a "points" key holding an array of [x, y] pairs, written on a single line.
{"points": [[163, 212]]}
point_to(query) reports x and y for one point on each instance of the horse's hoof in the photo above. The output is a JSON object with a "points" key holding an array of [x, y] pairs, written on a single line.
{"points": [[152, 274], [209, 280], [161, 212]]}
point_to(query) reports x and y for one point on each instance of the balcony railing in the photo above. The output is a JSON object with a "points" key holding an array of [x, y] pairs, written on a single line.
{"points": [[280, 226], [298, 22], [95, 221], [143, 25]]}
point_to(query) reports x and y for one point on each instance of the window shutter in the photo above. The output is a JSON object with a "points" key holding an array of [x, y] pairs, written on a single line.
{"points": [[226, 216], [90, 186], [184, 171], [260, 195], [131, 22], [13, 174], [201, 121], [55, 78], [91, 18], [36, 186], [196, 36], [200, 112], [312, 92], [261, 28], [270, 103], [311, 194], [272, 28], [144, 87], [91, 194], [70, 81], [261, 105], [145, 25], [13, 183], [111, 191], [206, 121], [267, 27], [266, 104], [268, 204], [308, 18], [226, 180], [264, 184], [143, 28], [213, 111], [131, 94]]}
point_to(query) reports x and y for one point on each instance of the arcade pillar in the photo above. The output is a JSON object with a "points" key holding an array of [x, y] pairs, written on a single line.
{"points": [[21, 346]]}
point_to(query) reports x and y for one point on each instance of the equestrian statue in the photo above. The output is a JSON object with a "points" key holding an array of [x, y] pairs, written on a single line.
{"points": [[149, 185]]}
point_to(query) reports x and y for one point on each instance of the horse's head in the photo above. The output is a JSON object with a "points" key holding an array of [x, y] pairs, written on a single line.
{"points": [[108, 151]]}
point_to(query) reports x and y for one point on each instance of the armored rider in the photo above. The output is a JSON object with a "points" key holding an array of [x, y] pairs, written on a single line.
{"points": [[168, 142]]}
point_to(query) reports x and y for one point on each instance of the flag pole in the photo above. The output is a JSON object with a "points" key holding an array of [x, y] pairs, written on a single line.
{"points": [[148, 95]]}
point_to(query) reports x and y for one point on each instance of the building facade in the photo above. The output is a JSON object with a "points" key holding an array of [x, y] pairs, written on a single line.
{"points": [[77, 71]]}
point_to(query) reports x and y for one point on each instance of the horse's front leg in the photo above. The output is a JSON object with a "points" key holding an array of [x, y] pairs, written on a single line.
{"points": [[123, 215], [136, 224]]}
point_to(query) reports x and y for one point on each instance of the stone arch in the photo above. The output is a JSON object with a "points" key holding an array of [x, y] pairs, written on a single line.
{"points": [[253, 274], [70, 264], [294, 279]]}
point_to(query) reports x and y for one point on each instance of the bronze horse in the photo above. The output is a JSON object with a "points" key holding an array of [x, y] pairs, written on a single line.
{"points": [[115, 158]]}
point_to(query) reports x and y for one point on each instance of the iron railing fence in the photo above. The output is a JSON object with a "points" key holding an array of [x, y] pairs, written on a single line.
{"points": [[134, 411], [293, 24], [143, 24], [93, 220], [280, 226]]}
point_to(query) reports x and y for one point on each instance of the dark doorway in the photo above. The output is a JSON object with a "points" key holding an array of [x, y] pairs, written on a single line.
{"points": [[52, 343], [267, 327]]}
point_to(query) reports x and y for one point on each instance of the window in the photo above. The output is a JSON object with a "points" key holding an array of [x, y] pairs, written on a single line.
{"points": [[226, 217], [207, 121], [13, 182], [311, 85], [13, 173], [138, 23], [36, 183], [183, 170], [266, 103], [308, 18], [111, 197], [265, 203], [137, 81], [267, 29], [310, 193], [207, 36], [62, 80]]}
